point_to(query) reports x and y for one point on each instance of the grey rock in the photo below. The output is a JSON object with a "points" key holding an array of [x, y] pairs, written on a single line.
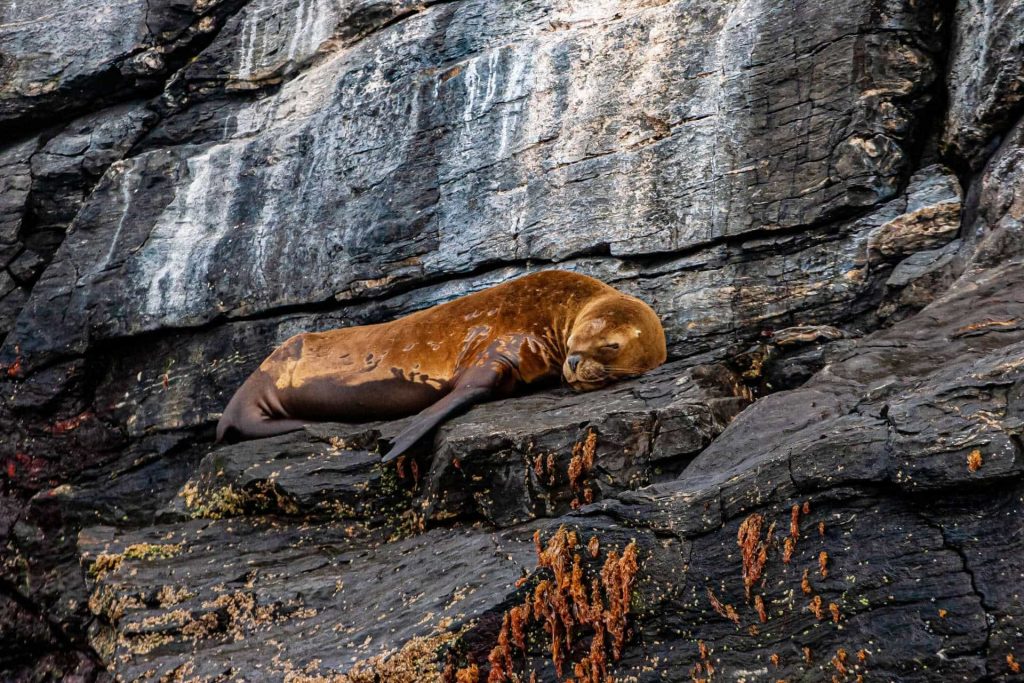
{"points": [[495, 465], [897, 411], [68, 166], [323, 593], [821, 201], [6, 284], [26, 266], [62, 57], [918, 279], [645, 432], [931, 217], [15, 183], [998, 225], [985, 78], [456, 176], [11, 304]]}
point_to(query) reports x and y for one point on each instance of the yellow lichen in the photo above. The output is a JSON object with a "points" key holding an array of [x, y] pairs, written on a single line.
{"points": [[111, 562], [415, 662]]}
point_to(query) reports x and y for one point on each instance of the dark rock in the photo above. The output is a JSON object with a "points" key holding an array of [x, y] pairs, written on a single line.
{"points": [[62, 57], [646, 432], [985, 77], [15, 183], [918, 279], [11, 304], [495, 465], [822, 201], [68, 166], [26, 266], [187, 598]]}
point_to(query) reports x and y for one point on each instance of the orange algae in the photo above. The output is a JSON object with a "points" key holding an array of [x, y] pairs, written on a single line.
{"points": [[974, 460], [839, 661], [500, 658], [468, 674], [518, 617], [753, 550], [816, 608], [788, 546], [562, 606], [726, 611], [704, 666], [762, 614], [582, 459]]}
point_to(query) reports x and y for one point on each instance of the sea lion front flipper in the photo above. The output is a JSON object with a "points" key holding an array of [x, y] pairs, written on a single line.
{"points": [[472, 388]]}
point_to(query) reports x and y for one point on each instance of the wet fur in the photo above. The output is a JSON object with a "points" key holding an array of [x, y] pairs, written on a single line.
{"points": [[435, 362]]}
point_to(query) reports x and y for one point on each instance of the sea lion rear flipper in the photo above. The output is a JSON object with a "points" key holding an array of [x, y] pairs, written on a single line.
{"points": [[476, 385]]}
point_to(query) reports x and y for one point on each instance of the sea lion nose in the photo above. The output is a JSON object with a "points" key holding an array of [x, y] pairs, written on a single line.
{"points": [[573, 361]]}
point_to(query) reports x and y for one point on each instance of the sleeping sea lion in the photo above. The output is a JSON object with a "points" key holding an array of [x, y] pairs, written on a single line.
{"points": [[443, 359]]}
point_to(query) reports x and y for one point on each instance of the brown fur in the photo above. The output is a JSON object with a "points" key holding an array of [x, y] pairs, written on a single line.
{"points": [[443, 358]]}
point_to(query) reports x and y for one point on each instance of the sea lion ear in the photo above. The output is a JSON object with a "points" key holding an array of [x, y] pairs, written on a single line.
{"points": [[636, 332]]}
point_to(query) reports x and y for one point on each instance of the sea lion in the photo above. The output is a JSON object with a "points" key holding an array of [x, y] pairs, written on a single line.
{"points": [[443, 359]]}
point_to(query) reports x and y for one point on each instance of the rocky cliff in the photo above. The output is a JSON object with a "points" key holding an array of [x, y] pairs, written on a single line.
{"points": [[821, 200]]}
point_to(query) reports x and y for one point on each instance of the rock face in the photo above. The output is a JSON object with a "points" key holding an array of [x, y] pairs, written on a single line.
{"points": [[821, 201]]}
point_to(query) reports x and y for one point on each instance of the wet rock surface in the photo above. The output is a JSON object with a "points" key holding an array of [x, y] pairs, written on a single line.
{"points": [[821, 202]]}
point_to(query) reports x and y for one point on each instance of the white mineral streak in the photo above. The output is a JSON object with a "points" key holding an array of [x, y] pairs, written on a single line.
{"points": [[583, 13], [470, 79], [314, 23], [182, 241], [525, 122], [294, 187], [732, 58], [247, 40], [275, 33], [516, 87], [124, 169]]}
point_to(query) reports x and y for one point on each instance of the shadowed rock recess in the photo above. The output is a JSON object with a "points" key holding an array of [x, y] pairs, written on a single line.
{"points": [[823, 202]]}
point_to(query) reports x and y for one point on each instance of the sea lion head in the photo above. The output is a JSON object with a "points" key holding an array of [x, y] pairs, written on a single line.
{"points": [[615, 336]]}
